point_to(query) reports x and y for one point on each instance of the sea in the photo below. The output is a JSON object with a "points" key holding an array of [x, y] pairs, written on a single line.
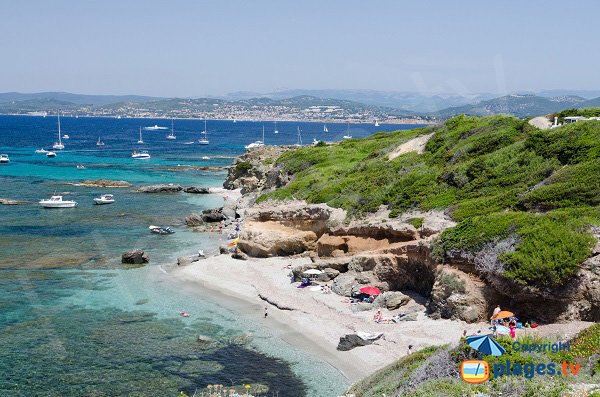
{"points": [[74, 321]]}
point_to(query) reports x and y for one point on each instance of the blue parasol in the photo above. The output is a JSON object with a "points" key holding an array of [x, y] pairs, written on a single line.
{"points": [[485, 345]]}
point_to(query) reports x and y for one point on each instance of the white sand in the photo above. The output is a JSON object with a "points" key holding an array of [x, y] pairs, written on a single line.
{"points": [[315, 321]]}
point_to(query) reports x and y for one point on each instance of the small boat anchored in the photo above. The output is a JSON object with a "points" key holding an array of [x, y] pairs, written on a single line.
{"points": [[4, 159], [276, 131], [155, 127], [161, 230], [204, 139], [99, 143], [58, 145], [256, 144], [172, 136], [57, 202], [141, 155], [104, 199], [140, 141], [347, 136], [376, 123], [325, 128], [50, 154], [66, 136], [41, 151]]}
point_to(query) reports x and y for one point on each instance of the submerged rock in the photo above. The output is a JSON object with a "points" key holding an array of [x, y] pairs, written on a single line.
{"points": [[135, 257], [194, 220], [103, 183]]}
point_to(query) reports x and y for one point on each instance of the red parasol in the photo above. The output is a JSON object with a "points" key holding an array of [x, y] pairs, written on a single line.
{"points": [[370, 290]]}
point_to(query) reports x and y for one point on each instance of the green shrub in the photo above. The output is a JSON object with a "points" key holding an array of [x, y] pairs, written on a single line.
{"points": [[452, 283], [416, 222], [243, 166]]}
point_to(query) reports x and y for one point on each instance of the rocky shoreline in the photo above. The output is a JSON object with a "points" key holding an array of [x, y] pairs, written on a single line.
{"points": [[394, 254]]}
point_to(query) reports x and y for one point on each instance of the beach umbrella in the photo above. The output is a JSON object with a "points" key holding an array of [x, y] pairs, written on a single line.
{"points": [[502, 330], [370, 290], [313, 271], [233, 243], [485, 345], [503, 314]]}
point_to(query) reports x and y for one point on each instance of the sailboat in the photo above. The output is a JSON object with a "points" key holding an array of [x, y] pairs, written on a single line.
{"points": [[257, 143], [99, 143], [172, 136], [347, 136], [376, 123], [276, 132], [58, 145], [325, 128], [203, 140], [299, 143], [141, 140]]}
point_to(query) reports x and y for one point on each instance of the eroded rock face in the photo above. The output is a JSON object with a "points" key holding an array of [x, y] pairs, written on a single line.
{"points": [[392, 231], [317, 218], [272, 239], [457, 296]]}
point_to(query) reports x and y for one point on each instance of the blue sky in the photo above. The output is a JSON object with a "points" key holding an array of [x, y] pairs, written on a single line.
{"points": [[195, 48]]}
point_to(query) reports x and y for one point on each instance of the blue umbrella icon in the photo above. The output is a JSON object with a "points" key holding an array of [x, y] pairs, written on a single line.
{"points": [[485, 345]]}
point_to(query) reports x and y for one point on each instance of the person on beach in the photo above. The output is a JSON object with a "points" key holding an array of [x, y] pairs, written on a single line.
{"points": [[378, 317], [266, 311], [409, 350], [493, 319], [512, 326]]}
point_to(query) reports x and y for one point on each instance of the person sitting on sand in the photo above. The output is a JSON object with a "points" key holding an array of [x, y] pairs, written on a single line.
{"points": [[378, 317], [493, 319]]}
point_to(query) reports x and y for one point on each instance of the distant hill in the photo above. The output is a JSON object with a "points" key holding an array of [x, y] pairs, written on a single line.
{"points": [[78, 99], [517, 105]]}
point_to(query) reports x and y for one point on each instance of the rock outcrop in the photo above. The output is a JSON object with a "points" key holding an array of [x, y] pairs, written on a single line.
{"points": [[197, 190], [263, 239], [103, 183], [135, 257], [162, 188], [255, 171]]}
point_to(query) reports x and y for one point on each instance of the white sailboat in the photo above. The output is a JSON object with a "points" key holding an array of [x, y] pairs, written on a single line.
{"points": [[376, 123], [299, 143], [99, 143], [256, 144], [140, 141], [172, 136], [325, 128], [203, 140], [276, 132], [347, 136], [58, 145]]}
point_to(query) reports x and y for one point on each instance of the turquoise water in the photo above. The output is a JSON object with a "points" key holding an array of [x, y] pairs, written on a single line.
{"points": [[74, 321]]}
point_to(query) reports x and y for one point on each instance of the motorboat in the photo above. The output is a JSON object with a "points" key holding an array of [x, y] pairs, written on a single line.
{"points": [[204, 139], [99, 143], [81, 167], [104, 199], [161, 230], [141, 155], [58, 145], [155, 127], [347, 137], [50, 154], [66, 136], [41, 151], [4, 159], [205, 158], [57, 202]]}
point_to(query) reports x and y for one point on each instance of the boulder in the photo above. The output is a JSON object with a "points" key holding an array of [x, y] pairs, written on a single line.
{"points": [[350, 341], [238, 254], [163, 188], [391, 300], [328, 274], [361, 307], [345, 284], [194, 220], [408, 317], [340, 263], [229, 211], [213, 215], [196, 190], [136, 257], [459, 296], [263, 239]]}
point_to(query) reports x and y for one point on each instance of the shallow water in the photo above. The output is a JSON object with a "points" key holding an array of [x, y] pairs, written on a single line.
{"points": [[74, 321]]}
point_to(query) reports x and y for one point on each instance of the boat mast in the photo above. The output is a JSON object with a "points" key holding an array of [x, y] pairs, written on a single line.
{"points": [[263, 141], [299, 137], [59, 139]]}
